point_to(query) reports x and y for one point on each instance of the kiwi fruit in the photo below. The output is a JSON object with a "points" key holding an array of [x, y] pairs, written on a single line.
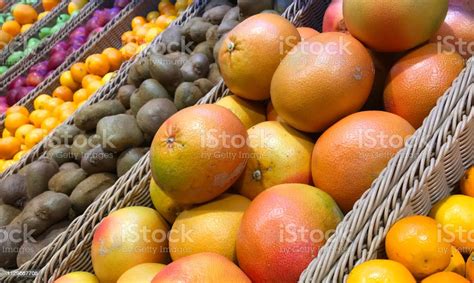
{"points": [[64, 135], [124, 93], [69, 166], [165, 71], [204, 85], [211, 35], [215, 3], [187, 95], [196, 67], [154, 113], [140, 70], [80, 145], [13, 190], [177, 58], [30, 248], [9, 248], [61, 154], [148, 90], [281, 5], [119, 133], [89, 189], [171, 40], [186, 30], [205, 48], [134, 78], [232, 14], [97, 160], [214, 74], [198, 31], [87, 118], [65, 181], [226, 26], [7, 214], [250, 7], [38, 174], [216, 14], [128, 158]]}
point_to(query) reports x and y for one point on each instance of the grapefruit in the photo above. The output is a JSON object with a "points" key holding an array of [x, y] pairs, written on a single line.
{"points": [[279, 154], [211, 227], [333, 19], [457, 263], [380, 270], [272, 115], [198, 153], [303, 88], [77, 277], [457, 28], [144, 272], [252, 51], [202, 267], [418, 79], [306, 33], [283, 230], [351, 154], [467, 182], [249, 112], [166, 206], [128, 237], [470, 267], [443, 277], [394, 26]]}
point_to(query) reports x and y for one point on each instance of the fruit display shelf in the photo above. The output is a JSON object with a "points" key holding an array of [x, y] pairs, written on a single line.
{"points": [[41, 52], [50, 255], [130, 190], [20, 39], [109, 36], [433, 176]]}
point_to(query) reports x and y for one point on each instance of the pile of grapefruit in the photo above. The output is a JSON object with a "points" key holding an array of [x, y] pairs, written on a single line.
{"points": [[250, 188]]}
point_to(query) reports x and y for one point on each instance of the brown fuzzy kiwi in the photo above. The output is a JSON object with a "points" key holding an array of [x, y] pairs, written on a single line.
{"points": [[87, 118], [89, 189]]}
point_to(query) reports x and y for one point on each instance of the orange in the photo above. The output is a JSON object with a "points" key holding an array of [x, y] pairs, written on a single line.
{"points": [[64, 93], [127, 37], [49, 5], [24, 14], [457, 263], [445, 277], [88, 79], [169, 11], [402, 30], [380, 270], [34, 137], [25, 28], [114, 57], [97, 64], [65, 107], [140, 32], [17, 109], [4, 37], [138, 21], [359, 145], [304, 82], [108, 77], [13, 28], [38, 116], [470, 267], [66, 114], [202, 267], [78, 72], [80, 95], [6, 165], [19, 155], [417, 80], [181, 5], [181, 180], [15, 120], [93, 87], [152, 34], [129, 50], [279, 154], [417, 243], [467, 182], [49, 124], [270, 223], [67, 80], [307, 33], [42, 15], [163, 21], [53, 103], [9, 147], [22, 131], [248, 54], [152, 15], [41, 101], [165, 4], [6, 133]]}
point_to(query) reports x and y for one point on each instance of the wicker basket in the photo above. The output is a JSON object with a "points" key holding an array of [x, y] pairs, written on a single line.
{"points": [[131, 189], [109, 91], [434, 174], [108, 37], [41, 52], [19, 40]]}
